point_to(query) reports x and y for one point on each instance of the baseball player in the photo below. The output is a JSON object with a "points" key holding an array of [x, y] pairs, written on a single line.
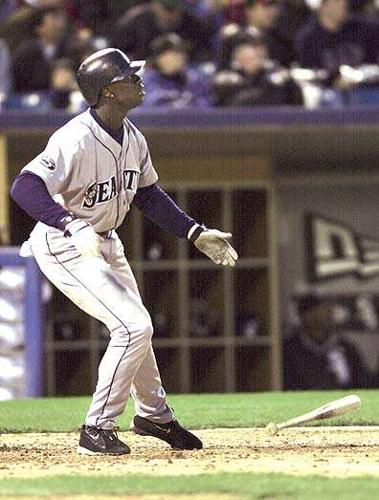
{"points": [[79, 189]]}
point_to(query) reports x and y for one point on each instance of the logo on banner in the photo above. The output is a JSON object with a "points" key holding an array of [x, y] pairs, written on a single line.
{"points": [[335, 250]]}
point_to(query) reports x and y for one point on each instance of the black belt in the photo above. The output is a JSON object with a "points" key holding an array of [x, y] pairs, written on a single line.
{"points": [[106, 234]]}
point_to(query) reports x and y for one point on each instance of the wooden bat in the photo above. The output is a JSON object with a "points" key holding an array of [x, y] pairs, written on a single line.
{"points": [[332, 409]]}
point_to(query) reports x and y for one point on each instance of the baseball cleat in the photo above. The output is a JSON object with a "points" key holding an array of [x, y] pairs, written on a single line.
{"points": [[95, 441], [173, 433]]}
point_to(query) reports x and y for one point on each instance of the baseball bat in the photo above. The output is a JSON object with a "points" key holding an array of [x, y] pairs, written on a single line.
{"points": [[332, 409]]}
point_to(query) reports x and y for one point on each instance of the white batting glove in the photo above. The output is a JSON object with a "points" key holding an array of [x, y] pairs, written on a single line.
{"points": [[83, 236], [215, 245]]}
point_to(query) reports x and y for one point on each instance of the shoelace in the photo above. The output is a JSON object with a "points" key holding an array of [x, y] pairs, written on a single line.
{"points": [[111, 433]]}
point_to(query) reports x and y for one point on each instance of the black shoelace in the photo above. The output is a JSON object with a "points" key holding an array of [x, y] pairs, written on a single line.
{"points": [[111, 432]]}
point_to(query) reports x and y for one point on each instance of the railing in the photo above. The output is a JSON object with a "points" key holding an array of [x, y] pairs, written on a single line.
{"points": [[283, 116]]}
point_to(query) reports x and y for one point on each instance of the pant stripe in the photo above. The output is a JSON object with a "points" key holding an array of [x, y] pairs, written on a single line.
{"points": [[110, 386]]}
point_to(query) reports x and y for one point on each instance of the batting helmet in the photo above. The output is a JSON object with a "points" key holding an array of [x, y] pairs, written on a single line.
{"points": [[102, 68]]}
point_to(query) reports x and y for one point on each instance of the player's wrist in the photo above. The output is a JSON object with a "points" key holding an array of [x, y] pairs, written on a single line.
{"points": [[63, 221], [195, 231]]}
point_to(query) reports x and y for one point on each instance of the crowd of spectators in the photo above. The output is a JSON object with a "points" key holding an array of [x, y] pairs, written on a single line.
{"points": [[199, 53]]}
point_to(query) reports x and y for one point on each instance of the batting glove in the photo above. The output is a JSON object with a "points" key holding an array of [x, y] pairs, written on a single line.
{"points": [[83, 236], [215, 245]]}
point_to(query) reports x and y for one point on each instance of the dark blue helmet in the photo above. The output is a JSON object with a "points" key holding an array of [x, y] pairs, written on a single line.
{"points": [[102, 68]]}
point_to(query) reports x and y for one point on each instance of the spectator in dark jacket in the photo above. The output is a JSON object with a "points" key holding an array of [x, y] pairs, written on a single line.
{"points": [[261, 18], [169, 81], [254, 80], [63, 84], [98, 15], [33, 58], [333, 38], [139, 26], [316, 357]]}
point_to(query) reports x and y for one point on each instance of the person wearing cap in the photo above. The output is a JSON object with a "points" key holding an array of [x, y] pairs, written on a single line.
{"points": [[261, 21], [170, 81], [254, 80], [315, 356], [333, 38], [140, 25]]}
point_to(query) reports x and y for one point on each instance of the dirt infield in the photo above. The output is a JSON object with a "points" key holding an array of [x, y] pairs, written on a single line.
{"points": [[330, 451]]}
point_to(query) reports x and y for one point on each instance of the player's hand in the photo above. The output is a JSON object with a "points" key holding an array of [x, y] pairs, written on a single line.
{"points": [[83, 236], [215, 245]]}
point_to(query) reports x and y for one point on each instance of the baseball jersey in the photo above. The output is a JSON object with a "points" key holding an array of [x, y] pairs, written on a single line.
{"points": [[90, 174]]}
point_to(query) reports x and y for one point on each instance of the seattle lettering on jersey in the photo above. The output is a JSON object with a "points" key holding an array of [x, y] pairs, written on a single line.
{"points": [[101, 192]]}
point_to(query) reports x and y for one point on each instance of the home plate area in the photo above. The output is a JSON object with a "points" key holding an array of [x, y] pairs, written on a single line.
{"points": [[330, 451]]}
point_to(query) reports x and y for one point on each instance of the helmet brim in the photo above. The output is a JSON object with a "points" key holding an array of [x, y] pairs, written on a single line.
{"points": [[135, 67]]}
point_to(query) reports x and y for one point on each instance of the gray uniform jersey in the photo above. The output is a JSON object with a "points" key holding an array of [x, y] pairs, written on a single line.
{"points": [[91, 174]]}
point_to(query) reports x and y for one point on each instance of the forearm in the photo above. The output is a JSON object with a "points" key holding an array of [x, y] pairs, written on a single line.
{"points": [[157, 206], [30, 192]]}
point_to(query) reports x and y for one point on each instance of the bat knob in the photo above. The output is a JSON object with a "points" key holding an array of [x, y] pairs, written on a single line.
{"points": [[271, 429]]}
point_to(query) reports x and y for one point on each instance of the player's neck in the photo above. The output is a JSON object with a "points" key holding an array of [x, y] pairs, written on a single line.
{"points": [[111, 117]]}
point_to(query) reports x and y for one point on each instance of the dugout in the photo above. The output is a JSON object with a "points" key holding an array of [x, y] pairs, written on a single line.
{"points": [[255, 172]]}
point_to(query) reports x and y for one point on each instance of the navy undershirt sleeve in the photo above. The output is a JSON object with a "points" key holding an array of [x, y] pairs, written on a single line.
{"points": [[30, 192], [157, 206]]}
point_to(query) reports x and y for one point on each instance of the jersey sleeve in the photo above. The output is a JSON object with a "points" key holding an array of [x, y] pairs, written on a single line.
{"points": [[148, 173], [54, 165]]}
